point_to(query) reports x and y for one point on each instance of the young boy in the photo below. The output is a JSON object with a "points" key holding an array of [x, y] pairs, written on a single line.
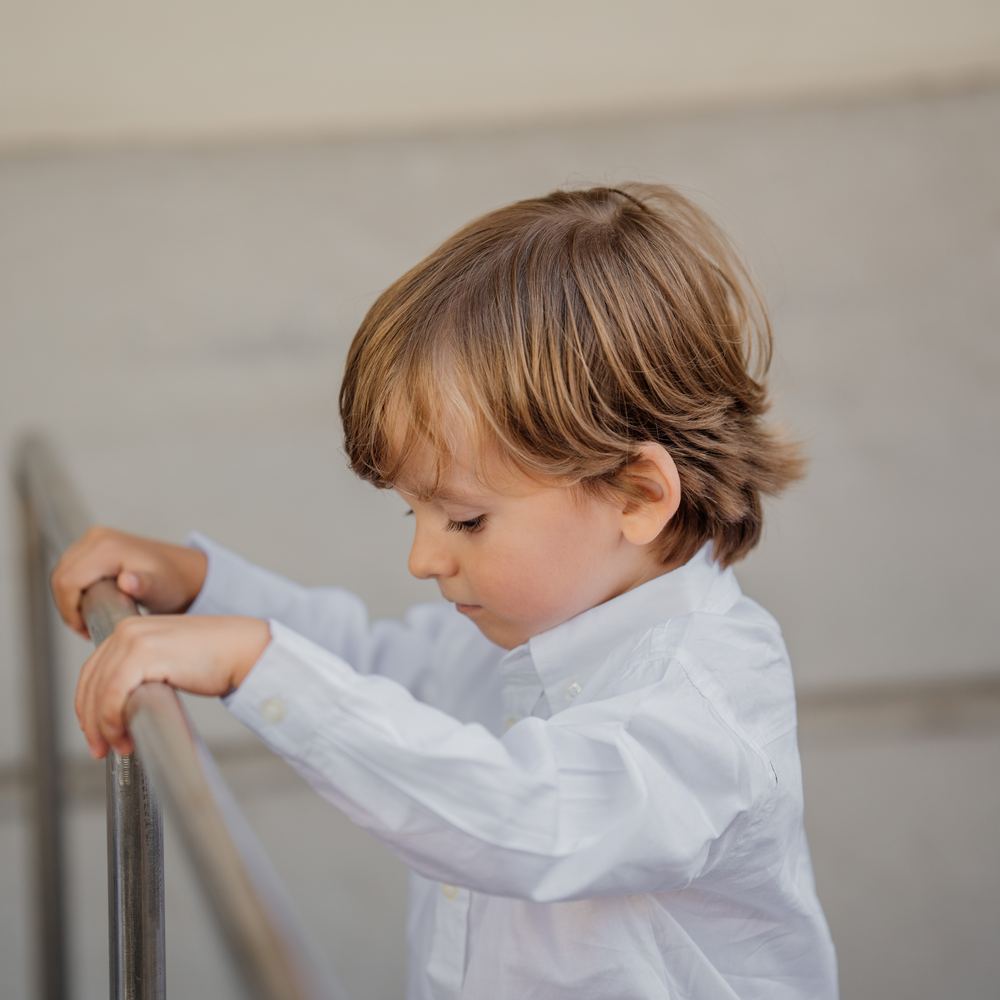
{"points": [[586, 753]]}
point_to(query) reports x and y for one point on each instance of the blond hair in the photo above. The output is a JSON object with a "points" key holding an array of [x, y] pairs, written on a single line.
{"points": [[563, 332]]}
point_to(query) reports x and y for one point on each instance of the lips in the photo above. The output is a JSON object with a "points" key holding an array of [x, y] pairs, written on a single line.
{"points": [[467, 608]]}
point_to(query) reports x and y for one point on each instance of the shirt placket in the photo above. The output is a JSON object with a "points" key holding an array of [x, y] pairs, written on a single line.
{"points": [[446, 968], [446, 965], [521, 690]]}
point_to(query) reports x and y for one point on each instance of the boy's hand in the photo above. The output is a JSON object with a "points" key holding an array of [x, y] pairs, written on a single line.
{"points": [[165, 578], [204, 654]]}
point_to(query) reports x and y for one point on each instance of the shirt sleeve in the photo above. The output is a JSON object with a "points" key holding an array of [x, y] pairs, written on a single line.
{"points": [[641, 793], [338, 621]]}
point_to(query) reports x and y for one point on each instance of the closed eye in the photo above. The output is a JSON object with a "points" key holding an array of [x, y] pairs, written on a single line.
{"points": [[473, 524]]}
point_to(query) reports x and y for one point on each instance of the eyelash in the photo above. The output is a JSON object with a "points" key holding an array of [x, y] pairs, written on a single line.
{"points": [[473, 525]]}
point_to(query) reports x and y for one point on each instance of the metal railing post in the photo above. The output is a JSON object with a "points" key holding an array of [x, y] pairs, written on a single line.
{"points": [[137, 963], [136, 945], [47, 784], [263, 942]]}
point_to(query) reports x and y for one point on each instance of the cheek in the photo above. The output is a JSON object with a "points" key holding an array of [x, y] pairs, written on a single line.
{"points": [[569, 578], [546, 578]]}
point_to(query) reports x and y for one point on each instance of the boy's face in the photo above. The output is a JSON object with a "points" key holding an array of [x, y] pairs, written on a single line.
{"points": [[517, 557]]}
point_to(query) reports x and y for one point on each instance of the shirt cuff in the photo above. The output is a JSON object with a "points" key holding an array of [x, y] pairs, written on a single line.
{"points": [[289, 664], [205, 602]]}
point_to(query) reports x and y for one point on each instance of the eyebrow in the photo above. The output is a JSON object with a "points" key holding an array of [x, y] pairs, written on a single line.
{"points": [[426, 494]]}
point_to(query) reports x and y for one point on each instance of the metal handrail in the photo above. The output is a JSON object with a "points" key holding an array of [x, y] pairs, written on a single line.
{"points": [[262, 939]]}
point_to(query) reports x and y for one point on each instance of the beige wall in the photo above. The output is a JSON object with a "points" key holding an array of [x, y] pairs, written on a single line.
{"points": [[110, 70]]}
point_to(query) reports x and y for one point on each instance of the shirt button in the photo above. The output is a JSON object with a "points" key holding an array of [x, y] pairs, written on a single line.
{"points": [[272, 709], [573, 690], [449, 891]]}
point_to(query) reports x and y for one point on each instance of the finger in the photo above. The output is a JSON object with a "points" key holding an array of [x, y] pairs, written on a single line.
{"points": [[110, 708], [65, 596], [78, 623], [64, 583], [114, 677], [91, 718], [80, 697], [85, 702], [133, 583], [101, 665], [111, 724], [81, 565], [91, 670]]}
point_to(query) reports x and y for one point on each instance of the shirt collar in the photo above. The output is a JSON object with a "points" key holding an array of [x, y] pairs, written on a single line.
{"points": [[560, 660]]}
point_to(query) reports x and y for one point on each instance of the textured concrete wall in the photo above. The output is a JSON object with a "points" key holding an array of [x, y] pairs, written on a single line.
{"points": [[177, 320], [109, 69]]}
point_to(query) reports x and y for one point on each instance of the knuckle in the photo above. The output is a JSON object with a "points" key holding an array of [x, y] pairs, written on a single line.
{"points": [[134, 635], [126, 632], [58, 580], [101, 540], [109, 722]]}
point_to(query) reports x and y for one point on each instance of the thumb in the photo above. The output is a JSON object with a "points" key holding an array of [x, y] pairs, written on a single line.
{"points": [[132, 583]]}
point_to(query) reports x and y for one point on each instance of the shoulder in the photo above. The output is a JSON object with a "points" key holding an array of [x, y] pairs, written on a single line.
{"points": [[734, 660]]}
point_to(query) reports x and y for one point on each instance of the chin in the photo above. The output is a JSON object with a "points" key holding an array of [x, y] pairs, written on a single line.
{"points": [[501, 637]]}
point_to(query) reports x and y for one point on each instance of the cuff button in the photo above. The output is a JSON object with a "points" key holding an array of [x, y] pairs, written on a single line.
{"points": [[273, 709]]}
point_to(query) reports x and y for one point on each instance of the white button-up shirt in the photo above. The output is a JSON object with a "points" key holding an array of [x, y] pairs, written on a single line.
{"points": [[611, 810]]}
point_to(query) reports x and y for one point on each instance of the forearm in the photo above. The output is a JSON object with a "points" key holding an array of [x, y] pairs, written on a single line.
{"points": [[233, 585], [547, 812], [338, 621], [331, 617]]}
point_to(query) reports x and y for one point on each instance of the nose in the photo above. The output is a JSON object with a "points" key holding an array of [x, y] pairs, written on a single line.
{"points": [[430, 556]]}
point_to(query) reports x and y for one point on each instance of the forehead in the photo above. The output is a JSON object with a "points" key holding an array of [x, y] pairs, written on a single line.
{"points": [[430, 476], [463, 472], [446, 454]]}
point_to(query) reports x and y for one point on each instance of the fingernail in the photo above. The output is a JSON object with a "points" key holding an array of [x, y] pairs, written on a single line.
{"points": [[130, 581]]}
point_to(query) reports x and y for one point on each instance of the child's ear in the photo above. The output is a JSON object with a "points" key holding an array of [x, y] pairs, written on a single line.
{"points": [[654, 474]]}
